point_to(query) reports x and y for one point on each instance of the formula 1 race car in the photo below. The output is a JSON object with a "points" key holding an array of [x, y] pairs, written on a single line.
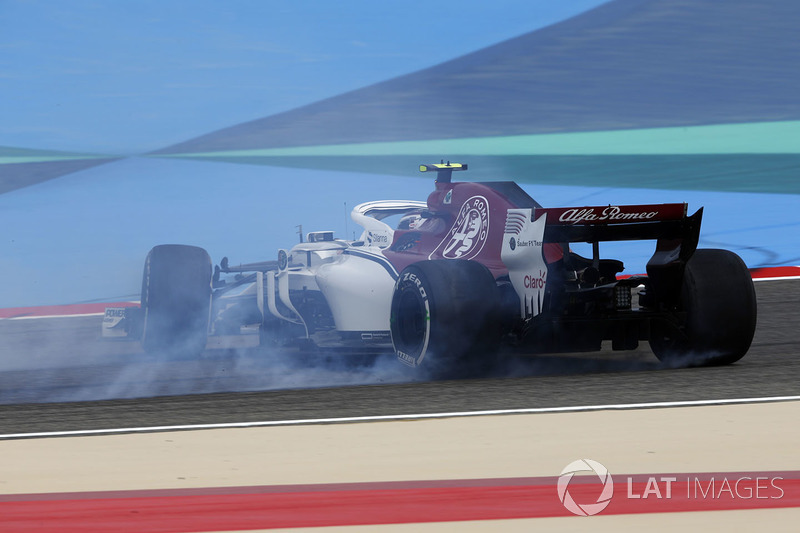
{"points": [[477, 267]]}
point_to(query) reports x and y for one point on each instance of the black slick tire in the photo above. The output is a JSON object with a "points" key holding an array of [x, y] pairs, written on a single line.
{"points": [[176, 300], [445, 317], [718, 298]]}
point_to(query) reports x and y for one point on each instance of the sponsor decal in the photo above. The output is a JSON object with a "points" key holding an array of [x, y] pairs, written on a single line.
{"points": [[114, 317], [448, 198], [468, 235], [375, 336], [377, 238], [612, 214], [607, 214], [116, 321], [512, 243], [114, 312], [535, 282]]}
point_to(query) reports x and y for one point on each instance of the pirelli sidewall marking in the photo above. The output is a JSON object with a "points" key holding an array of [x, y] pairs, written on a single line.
{"points": [[412, 282]]}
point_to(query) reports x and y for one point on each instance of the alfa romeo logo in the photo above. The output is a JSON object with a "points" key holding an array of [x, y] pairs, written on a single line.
{"points": [[468, 235], [585, 509]]}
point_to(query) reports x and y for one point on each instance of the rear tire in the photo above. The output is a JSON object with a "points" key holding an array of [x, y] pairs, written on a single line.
{"points": [[176, 300], [445, 317], [719, 299]]}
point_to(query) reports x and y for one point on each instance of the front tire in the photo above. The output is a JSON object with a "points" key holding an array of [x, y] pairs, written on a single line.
{"points": [[176, 300], [445, 317], [719, 300]]}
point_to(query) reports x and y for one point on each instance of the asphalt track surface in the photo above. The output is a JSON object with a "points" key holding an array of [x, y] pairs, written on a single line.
{"points": [[48, 361]]}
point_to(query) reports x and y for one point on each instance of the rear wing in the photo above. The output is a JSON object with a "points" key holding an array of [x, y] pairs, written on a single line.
{"points": [[528, 230], [619, 223]]}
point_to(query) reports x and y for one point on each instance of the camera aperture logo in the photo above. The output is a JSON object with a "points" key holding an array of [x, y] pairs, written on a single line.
{"points": [[585, 509]]}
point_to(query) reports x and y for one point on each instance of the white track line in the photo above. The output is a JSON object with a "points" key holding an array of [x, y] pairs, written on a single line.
{"points": [[387, 418]]}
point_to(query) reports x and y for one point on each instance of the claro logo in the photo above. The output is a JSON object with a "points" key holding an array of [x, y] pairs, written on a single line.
{"points": [[535, 282]]}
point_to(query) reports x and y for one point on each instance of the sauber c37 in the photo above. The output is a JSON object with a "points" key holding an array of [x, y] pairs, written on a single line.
{"points": [[476, 268]]}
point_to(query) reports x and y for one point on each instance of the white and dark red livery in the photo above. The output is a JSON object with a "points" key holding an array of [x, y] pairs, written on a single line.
{"points": [[476, 267]]}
